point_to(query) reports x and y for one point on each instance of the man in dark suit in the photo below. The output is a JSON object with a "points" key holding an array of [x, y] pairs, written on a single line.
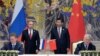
{"points": [[31, 39], [61, 35], [13, 44], [86, 45]]}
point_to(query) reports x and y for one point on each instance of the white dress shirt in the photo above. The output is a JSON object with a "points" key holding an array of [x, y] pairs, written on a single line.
{"points": [[13, 45], [30, 31], [59, 29]]}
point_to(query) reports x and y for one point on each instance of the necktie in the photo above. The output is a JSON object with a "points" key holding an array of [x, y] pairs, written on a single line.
{"points": [[86, 47], [13, 46], [30, 34], [59, 32]]}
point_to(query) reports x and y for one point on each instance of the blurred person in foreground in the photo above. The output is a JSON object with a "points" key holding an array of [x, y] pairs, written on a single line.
{"points": [[13, 44], [85, 45]]}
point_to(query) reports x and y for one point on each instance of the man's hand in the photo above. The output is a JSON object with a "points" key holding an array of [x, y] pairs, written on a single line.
{"points": [[68, 51], [37, 51]]}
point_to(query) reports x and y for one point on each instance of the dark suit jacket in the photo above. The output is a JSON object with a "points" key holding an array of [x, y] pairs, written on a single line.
{"points": [[31, 44], [81, 47], [62, 42], [18, 46]]}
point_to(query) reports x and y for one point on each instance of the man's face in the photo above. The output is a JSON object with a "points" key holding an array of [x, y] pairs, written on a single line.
{"points": [[59, 23], [13, 39], [87, 41], [30, 24]]}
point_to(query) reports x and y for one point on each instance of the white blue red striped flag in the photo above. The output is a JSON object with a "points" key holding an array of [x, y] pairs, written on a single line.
{"points": [[18, 22]]}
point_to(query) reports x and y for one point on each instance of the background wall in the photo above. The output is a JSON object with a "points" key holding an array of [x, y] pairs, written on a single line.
{"points": [[45, 13]]}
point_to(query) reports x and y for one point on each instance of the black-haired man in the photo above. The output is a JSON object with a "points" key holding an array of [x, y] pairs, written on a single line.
{"points": [[62, 37]]}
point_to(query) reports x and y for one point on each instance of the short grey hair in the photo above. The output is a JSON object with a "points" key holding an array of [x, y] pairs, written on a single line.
{"points": [[87, 36]]}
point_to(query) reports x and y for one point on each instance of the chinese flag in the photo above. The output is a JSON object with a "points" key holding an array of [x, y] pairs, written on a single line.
{"points": [[52, 44], [76, 25]]}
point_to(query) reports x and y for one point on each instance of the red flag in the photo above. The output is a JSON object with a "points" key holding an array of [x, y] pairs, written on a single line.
{"points": [[52, 44], [76, 25]]}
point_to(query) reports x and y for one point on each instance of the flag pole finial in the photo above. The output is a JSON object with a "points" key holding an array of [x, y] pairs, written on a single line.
{"points": [[75, 2]]}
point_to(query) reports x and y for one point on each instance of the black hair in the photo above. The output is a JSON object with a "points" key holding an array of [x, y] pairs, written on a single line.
{"points": [[60, 17], [60, 20]]}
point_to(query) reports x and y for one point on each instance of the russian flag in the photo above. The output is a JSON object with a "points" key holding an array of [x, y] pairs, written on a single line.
{"points": [[42, 44], [18, 22]]}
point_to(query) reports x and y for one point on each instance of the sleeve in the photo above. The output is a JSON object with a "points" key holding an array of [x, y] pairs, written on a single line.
{"points": [[38, 40], [4, 47], [21, 49], [67, 39], [52, 34], [23, 37], [77, 49], [94, 48]]}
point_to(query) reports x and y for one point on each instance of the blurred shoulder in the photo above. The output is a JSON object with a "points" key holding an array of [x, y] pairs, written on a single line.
{"points": [[64, 28], [36, 31], [19, 43], [80, 44]]}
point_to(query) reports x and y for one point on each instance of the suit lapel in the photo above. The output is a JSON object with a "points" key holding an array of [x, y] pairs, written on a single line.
{"points": [[89, 47], [62, 32], [16, 46], [27, 34], [32, 34], [84, 47], [56, 32], [10, 46]]}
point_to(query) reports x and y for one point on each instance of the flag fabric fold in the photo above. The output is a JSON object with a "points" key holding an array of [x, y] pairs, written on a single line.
{"points": [[18, 22], [42, 44], [76, 25]]}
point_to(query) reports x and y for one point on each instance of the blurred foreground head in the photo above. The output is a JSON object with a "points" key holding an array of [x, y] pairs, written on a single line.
{"points": [[87, 39], [13, 38]]}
